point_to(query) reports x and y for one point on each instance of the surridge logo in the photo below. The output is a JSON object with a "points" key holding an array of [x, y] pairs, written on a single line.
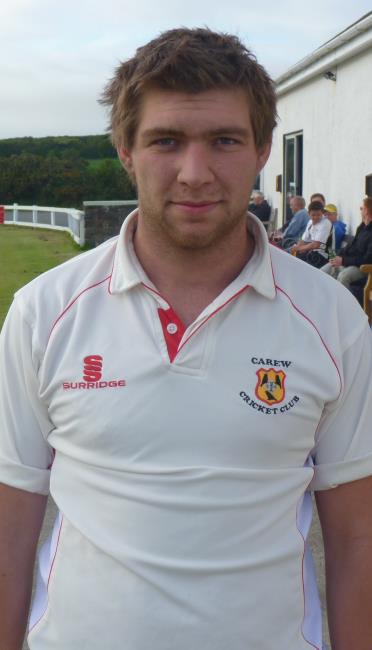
{"points": [[93, 367], [92, 376]]}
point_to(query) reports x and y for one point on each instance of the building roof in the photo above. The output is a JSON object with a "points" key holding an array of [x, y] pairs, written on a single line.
{"points": [[351, 41]]}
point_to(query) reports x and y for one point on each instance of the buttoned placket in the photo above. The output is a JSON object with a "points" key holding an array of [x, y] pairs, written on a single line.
{"points": [[173, 337]]}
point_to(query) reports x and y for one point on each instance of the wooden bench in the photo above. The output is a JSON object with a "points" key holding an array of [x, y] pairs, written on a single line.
{"points": [[367, 301]]}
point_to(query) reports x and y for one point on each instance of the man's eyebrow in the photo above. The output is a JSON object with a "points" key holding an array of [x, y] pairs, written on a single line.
{"points": [[159, 132]]}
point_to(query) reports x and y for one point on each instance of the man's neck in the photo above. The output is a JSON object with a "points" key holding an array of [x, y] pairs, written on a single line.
{"points": [[191, 279]]}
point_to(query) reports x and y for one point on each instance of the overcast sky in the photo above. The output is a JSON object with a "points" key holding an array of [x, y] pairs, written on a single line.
{"points": [[55, 55]]}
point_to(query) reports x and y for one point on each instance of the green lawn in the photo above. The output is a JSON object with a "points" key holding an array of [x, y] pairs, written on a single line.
{"points": [[25, 253]]}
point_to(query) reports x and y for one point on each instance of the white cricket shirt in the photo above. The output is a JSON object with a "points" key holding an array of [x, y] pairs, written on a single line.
{"points": [[182, 458], [318, 232]]}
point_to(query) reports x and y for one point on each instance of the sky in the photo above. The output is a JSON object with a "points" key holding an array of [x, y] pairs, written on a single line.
{"points": [[56, 55]]}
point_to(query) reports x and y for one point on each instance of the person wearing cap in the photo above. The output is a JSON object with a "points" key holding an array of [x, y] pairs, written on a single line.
{"points": [[338, 227]]}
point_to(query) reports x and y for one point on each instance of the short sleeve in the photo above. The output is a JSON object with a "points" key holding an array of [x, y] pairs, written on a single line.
{"points": [[25, 455], [343, 450]]}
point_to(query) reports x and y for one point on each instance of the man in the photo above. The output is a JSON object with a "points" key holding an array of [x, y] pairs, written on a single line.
{"points": [[150, 380], [259, 206], [297, 225], [317, 196], [345, 266], [312, 246], [338, 227]]}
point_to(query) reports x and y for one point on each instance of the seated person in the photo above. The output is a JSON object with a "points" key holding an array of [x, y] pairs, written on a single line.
{"points": [[317, 196], [312, 247], [338, 227], [292, 232], [357, 289], [345, 266], [260, 206]]}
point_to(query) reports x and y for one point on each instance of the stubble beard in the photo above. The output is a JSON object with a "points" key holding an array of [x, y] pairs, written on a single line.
{"points": [[164, 229]]}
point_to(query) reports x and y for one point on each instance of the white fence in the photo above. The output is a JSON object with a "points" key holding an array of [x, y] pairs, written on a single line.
{"points": [[67, 219]]}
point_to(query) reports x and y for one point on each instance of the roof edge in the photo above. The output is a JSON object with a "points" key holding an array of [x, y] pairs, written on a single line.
{"points": [[327, 54]]}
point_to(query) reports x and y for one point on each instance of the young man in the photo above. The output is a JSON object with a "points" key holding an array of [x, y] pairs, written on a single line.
{"points": [[149, 384], [312, 246], [345, 266]]}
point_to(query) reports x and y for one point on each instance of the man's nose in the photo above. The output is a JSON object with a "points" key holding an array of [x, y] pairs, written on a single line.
{"points": [[195, 165]]}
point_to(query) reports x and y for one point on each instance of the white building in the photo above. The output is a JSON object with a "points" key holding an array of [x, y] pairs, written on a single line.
{"points": [[323, 142]]}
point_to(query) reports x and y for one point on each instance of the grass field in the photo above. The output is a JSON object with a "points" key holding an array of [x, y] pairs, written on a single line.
{"points": [[25, 253]]}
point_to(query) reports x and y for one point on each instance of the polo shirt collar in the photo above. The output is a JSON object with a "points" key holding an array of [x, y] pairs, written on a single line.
{"points": [[127, 271]]}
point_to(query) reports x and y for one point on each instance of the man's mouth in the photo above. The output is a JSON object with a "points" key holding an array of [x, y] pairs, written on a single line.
{"points": [[195, 207]]}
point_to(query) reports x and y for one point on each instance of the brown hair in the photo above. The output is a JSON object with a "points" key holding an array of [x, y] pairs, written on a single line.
{"points": [[368, 204], [315, 205], [317, 194], [189, 60]]}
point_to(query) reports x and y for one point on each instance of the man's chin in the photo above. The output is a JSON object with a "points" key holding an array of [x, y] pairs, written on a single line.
{"points": [[194, 239]]}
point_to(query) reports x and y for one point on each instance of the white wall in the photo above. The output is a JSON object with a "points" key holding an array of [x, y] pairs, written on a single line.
{"points": [[336, 120]]}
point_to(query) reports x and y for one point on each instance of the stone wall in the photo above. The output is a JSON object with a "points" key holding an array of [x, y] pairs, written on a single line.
{"points": [[103, 219]]}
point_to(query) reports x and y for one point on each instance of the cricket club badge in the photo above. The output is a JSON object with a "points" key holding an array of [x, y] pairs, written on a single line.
{"points": [[270, 385]]}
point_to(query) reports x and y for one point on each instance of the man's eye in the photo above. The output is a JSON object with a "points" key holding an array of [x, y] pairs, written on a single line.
{"points": [[227, 140], [164, 142]]}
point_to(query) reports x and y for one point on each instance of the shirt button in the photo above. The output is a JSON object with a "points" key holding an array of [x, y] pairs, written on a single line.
{"points": [[172, 328]]}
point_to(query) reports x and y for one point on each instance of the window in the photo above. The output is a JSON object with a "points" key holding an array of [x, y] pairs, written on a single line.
{"points": [[369, 185], [293, 155]]}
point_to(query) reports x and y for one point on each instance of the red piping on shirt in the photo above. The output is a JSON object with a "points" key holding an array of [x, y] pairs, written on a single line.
{"points": [[49, 578], [247, 286], [73, 302], [317, 331]]}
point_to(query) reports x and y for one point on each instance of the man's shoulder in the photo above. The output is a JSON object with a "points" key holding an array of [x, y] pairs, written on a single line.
{"points": [[301, 214], [317, 297]]}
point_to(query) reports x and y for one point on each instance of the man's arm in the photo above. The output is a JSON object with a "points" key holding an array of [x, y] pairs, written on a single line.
{"points": [[345, 514], [302, 246], [21, 517], [355, 257]]}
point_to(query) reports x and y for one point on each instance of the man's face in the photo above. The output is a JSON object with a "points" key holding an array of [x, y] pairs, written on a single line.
{"points": [[332, 216], [194, 162], [366, 216], [315, 216], [293, 204]]}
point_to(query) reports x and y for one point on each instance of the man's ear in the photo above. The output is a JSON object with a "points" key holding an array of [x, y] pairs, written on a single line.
{"points": [[126, 160], [263, 155]]}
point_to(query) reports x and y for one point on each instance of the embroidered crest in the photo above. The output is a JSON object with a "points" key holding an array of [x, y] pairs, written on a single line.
{"points": [[270, 385]]}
